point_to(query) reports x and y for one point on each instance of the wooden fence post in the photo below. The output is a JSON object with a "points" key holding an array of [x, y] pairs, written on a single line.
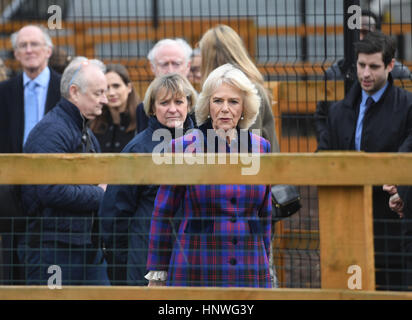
{"points": [[346, 236]]}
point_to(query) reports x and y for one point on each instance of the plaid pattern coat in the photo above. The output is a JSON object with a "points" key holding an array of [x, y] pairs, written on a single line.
{"points": [[224, 237]]}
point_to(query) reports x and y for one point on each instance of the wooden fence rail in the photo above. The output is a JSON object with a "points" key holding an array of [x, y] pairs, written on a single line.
{"points": [[345, 202]]}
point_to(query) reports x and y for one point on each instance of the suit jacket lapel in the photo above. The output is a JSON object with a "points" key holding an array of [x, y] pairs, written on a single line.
{"points": [[54, 86], [17, 113]]}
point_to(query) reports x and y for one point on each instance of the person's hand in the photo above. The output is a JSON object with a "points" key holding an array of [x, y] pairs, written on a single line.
{"points": [[390, 188], [103, 186], [156, 283], [396, 204]]}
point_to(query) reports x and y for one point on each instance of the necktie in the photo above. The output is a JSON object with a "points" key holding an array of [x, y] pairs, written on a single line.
{"points": [[31, 108], [359, 126]]}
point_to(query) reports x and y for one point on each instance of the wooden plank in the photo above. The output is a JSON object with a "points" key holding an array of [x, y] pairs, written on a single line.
{"points": [[310, 30], [299, 144], [297, 107], [346, 236], [190, 293], [322, 168], [201, 25], [311, 91], [314, 91]]}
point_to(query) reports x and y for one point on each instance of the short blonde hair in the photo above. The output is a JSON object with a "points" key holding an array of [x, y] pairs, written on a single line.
{"points": [[173, 83], [233, 76]]}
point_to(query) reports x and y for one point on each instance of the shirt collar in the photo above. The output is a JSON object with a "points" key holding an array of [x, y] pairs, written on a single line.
{"points": [[376, 96], [42, 79]]}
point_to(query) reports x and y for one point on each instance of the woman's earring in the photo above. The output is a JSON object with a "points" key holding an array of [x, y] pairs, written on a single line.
{"points": [[242, 117], [208, 116]]}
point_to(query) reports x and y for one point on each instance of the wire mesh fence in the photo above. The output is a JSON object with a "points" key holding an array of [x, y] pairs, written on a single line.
{"points": [[293, 43]]}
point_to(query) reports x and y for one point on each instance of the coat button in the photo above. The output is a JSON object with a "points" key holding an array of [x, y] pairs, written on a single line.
{"points": [[233, 201], [234, 241], [233, 261], [233, 219]]}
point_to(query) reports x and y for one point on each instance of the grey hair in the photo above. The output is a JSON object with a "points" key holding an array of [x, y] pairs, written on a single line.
{"points": [[178, 41], [46, 36], [228, 74], [74, 75], [173, 83]]}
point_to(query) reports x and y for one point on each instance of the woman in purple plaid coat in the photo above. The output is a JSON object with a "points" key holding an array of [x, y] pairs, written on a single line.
{"points": [[223, 239]]}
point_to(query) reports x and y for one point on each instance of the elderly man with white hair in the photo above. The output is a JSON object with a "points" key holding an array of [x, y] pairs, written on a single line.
{"points": [[167, 56], [62, 217], [25, 99]]}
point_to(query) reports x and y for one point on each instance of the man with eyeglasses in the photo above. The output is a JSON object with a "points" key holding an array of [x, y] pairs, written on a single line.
{"points": [[25, 99], [167, 56]]}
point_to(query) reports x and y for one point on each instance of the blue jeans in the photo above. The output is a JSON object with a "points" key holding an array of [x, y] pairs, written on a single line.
{"points": [[79, 265]]}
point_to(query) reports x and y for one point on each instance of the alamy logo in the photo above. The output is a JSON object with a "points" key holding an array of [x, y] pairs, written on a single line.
{"points": [[354, 21], [190, 148], [55, 20], [355, 280], [55, 280]]}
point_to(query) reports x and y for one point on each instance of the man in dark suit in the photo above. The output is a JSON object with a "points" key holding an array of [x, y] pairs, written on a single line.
{"points": [[32, 48], [341, 70], [375, 116], [24, 101]]}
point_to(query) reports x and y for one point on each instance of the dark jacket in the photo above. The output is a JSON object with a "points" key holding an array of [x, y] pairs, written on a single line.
{"points": [[127, 209], [387, 127], [337, 71], [113, 137], [65, 211], [12, 110], [142, 120]]}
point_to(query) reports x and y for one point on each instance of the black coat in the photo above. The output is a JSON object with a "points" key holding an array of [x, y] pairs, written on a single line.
{"points": [[113, 137], [126, 210], [387, 127], [61, 213], [12, 110]]}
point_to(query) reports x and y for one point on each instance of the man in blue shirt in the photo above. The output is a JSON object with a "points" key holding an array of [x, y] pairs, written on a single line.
{"points": [[24, 101], [375, 116]]}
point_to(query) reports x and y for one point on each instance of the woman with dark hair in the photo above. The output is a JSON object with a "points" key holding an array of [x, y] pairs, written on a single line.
{"points": [[117, 124]]}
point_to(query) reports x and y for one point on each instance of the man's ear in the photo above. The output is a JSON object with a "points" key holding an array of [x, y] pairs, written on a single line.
{"points": [[153, 68], [391, 65], [188, 68], [73, 92], [49, 52]]}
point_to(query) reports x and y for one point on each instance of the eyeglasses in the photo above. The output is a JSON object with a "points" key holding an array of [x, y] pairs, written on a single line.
{"points": [[33, 44]]}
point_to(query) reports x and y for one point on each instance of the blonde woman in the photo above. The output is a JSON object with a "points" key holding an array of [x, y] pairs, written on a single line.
{"points": [[126, 209], [223, 239], [222, 45]]}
